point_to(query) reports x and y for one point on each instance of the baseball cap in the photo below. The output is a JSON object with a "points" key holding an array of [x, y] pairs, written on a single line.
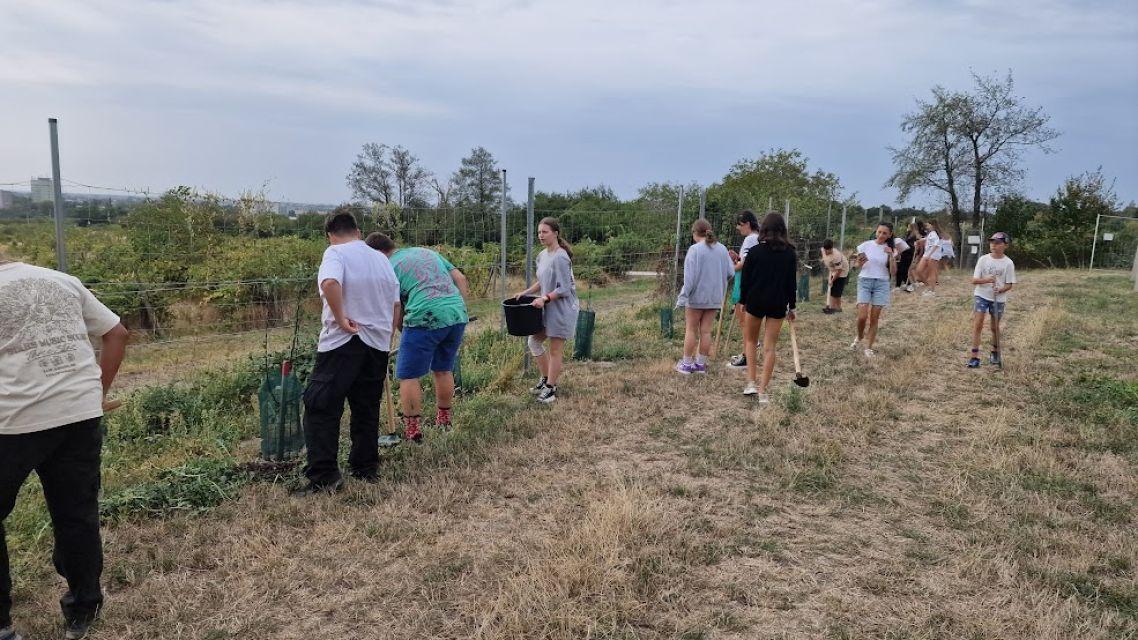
{"points": [[1000, 236]]}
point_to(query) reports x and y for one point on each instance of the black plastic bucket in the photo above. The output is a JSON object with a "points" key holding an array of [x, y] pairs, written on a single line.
{"points": [[522, 318]]}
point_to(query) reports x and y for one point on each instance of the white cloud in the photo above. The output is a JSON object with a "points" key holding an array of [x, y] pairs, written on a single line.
{"points": [[406, 69]]}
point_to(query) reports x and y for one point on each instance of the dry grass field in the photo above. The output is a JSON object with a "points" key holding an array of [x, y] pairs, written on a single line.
{"points": [[905, 497]]}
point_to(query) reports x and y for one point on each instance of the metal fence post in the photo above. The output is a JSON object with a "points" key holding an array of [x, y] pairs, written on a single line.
{"points": [[786, 214], [1094, 243], [1134, 269], [502, 275], [60, 243], [829, 208], [529, 235], [702, 203], [676, 255], [529, 253], [842, 242]]}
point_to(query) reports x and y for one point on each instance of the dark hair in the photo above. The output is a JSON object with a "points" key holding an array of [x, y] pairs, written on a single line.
{"points": [[773, 231], [340, 221], [746, 216], [380, 242], [702, 228], [827, 244], [555, 227], [889, 226]]}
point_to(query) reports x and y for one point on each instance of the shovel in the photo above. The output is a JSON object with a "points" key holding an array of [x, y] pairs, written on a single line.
{"points": [[799, 379]]}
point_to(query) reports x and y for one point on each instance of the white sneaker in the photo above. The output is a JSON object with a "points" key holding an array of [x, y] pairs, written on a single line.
{"points": [[764, 399], [869, 353], [910, 288], [855, 344], [750, 389]]}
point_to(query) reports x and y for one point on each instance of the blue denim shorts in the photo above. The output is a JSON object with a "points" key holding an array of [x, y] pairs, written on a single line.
{"points": [[422, 350], [874, 291], [984, 305]]}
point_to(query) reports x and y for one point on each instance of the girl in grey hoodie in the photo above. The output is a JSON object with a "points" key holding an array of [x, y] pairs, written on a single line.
{"points": [[707, 268]]}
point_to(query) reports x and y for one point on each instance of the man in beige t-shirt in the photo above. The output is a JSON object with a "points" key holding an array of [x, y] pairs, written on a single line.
{"points": [[839, 268], [51, 405]]}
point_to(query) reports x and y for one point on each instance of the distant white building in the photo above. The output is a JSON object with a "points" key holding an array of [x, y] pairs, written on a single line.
{"points": [[7, 199], [42, 190]]}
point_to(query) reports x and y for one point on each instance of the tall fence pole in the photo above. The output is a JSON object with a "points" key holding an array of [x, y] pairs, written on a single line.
{"points": [[829, 209], [842, 242], [1134, 269], [502, 276], [786, 214], [529, 251], [676, 255], [770, 203], [702, 203], [57, 187], [1094, 243]]}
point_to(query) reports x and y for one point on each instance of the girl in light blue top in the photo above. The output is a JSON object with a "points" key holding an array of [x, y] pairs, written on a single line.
{"points": [[707, 268]]}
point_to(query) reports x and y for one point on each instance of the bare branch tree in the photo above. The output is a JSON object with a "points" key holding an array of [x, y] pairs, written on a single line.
{"points": [[963, 142], [409, 176], [998, 127], [370, 177]]}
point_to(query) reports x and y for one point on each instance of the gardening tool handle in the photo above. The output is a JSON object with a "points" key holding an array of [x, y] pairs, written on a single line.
{"points": [[390, 404], [794, 348], [719, 331]]}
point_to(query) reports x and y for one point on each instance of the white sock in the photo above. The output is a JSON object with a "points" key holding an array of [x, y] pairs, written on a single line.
{"points": [[701, 359], [686, 360]]}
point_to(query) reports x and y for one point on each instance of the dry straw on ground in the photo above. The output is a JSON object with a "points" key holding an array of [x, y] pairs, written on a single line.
{"points": [[904, 497]]}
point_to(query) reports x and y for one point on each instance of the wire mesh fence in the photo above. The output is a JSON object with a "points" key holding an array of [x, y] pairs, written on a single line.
{"points": [[201, 279]]}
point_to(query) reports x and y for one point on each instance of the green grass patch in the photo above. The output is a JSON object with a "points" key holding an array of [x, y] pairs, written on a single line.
{"points": [[1098, 413]]}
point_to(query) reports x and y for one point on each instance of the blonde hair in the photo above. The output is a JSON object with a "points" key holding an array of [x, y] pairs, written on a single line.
{"points": [[702, 228]]}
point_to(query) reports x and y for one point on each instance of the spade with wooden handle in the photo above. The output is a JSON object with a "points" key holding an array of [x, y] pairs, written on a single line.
{"points": [[799, 379]]}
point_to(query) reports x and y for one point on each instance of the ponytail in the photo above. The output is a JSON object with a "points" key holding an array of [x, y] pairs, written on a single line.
{"points": [[702, 228]]}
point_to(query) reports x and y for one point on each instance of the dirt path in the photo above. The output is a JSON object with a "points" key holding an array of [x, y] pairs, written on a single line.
{"points": [[648, 505]]}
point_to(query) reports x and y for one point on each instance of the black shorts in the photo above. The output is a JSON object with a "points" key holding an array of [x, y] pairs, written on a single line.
{"points": [[759, 312], [838, 287]]}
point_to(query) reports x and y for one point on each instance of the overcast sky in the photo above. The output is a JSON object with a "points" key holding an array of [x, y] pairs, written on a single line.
{"points": [[228, 95]]}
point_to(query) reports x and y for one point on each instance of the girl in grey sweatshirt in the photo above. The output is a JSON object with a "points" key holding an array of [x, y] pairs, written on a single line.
{"points": [[707, 269]]}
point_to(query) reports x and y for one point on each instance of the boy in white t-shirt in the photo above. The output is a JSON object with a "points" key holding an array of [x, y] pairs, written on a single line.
{"points": [[994, 277], [51, 405], [360, 293]]}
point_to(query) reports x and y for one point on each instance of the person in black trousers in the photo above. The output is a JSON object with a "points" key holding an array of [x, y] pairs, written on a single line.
{"points": [[905, 260], [769, 290], [360, 294], [50, 423]]}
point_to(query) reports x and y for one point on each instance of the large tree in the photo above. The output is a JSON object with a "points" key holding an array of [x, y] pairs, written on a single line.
{"points": [[411, 179], [968, 145], [477, 183], [773, 178], [371, 177], [1065, 229]]}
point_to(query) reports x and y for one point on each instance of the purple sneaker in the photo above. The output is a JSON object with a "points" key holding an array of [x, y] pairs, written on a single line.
{"points": [[685, 368], [699, 368]]}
